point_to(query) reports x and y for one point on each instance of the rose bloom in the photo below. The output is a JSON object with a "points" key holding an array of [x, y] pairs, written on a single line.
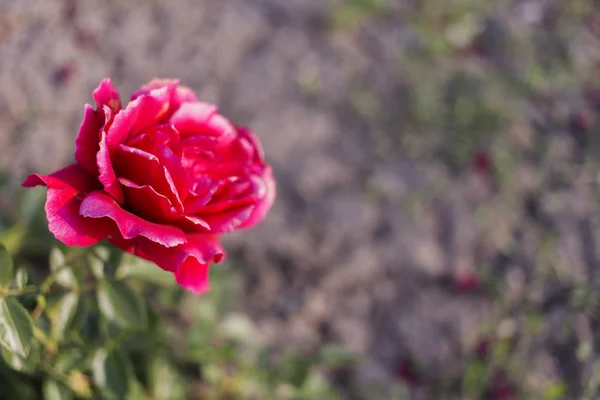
{"points": [[162, 178]]}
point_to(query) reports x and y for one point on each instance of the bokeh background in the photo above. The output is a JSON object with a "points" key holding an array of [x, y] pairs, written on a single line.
{"points": [[436, 161]]}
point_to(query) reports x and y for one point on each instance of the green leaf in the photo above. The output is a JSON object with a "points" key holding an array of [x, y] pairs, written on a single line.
{"points": [[63, 273], [89, 322], [294, 369], [121, 304], [114, 261], [21, 278], [96, 260], [134, 267], [240, 328], [13, 237], [6, 266], [475, 378], [16, 328], [165, 381], [136, 390], [71, 358], [54, 390], [314, 384], [66, 309], [26, 365], [111, 373], [556, 391]]}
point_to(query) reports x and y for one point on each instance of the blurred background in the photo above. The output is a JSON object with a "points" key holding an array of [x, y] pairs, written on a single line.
{"points": [[436, 230]]}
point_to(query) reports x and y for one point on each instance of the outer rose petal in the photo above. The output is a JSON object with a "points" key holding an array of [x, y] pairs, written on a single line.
{"points": [[72, 176], [227, 221], [87, 142], [65, 191], [240, 188], [189, 262], [182, 94], [265, 203], [106, 94], [100, 205], [227, 205], [254, 142], [193, 276], [107, 172], [62, 210], [152, 85]]}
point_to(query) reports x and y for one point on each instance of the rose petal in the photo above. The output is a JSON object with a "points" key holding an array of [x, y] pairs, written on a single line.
{"points": [[64, 221], [116, 239], [189, 261], [201, 123], [142, 113], [204, 127], [227, 221], [108, 116], [153, 85], [153, 108], [66, 188], [221, 127], [255, 144], [232, 160], [192, 118], [203, 193], [153, 144], [243, 151], [191, 223], [106, 94], [215, 166], [147, 203], [226, 205], [87, 142], [122, 124], [100, 205], [193, 276], [239, 188], [73, 176], [265, 203], [182, 94], [144, 168], [164, 134], [107, 173]]}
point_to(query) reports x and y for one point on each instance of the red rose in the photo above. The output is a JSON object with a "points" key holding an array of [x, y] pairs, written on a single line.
{"points": [[161, 178]]}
